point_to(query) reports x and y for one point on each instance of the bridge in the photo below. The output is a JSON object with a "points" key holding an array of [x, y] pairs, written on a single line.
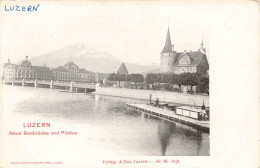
{"points": [[70, 86]]}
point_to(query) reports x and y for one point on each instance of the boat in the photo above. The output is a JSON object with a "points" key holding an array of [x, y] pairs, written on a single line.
{"points": [[192, 112]]}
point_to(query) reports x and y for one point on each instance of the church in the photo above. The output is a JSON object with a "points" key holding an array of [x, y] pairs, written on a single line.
{"points": [[182, 62]]}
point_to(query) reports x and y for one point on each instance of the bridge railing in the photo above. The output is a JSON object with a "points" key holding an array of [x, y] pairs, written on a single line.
{"points": [[55, 83]]}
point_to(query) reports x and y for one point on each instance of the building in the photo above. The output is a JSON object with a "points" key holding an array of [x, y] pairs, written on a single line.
{"points": [[182, 62], [26, 71], [9, 71], [71, 72], [101, 77], [122, 69], [68, 72]]}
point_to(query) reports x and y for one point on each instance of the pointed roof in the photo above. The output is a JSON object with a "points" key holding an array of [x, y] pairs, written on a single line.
{"points": [[202, 49], [122, 69], [168, 45], [196, 57], [202, 45]]}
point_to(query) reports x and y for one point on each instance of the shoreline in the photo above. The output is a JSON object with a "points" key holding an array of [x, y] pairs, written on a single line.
{"points": [[170, 116], [164, 96], [133, 98]]}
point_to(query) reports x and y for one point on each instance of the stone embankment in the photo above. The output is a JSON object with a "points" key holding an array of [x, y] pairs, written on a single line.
{"points": [[165, 96]]}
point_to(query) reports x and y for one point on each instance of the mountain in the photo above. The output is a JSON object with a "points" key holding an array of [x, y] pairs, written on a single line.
{"points": [[88, 58]]}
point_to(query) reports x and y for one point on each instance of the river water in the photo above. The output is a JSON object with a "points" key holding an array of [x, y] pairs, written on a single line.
{"points": [[104, 126]]}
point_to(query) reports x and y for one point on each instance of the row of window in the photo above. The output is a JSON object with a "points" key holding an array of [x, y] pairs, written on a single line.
{"points": [[187, 69], [166, 55], [73, 75], [62, 78], [184, 61], [25, 74], [19, 75], [181, 62]]}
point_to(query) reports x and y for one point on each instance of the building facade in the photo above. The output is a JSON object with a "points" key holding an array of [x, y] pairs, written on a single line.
{"points": [[71, 72], [182, 62], [10, 71], [26, 71], [68, 72]]}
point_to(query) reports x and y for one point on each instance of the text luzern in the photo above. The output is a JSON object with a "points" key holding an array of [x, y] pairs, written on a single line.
{"points": [[28, 8]]}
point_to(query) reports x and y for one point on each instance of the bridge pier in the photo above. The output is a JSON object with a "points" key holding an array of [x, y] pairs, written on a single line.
{"points": [[23, 82], [51, 84], [71, 87], [35, 83]]}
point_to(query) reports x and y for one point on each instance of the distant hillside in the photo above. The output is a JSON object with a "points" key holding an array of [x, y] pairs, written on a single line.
{"points": [[89, 58], [158, 70]]}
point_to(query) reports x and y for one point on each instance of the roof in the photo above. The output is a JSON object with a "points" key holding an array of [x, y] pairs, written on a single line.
{"points": [[122, 69], [196, 57], [26, 63], [83, 70], [60, 69], [70, 65], [41, 68], [198, 110], [168, 45], [9, 65]]}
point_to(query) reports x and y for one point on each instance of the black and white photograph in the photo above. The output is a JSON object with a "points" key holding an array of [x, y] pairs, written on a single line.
{"points": [[113, 83]]}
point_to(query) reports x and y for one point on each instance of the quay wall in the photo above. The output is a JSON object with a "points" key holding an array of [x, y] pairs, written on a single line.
{"points": [[171, 97]]}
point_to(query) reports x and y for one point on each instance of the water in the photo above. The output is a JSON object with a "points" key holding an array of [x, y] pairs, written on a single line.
{"points": [[104, 124]]}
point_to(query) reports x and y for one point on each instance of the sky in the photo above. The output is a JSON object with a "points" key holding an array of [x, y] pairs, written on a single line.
{"points": [[134, 32]]}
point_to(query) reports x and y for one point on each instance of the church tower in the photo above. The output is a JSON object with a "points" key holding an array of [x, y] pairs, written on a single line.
{"points": [[202, 49], [168, 55]]}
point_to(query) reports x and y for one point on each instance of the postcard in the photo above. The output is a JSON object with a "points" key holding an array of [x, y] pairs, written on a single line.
{"points": [[129, 84]]}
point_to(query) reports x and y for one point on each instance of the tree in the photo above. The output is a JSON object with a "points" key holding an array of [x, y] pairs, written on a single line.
{"points": [[179, 81], [166, 78], [112, 77], [203, 83], [151, 78], [192, 79], [136, 78], [117, 77]]}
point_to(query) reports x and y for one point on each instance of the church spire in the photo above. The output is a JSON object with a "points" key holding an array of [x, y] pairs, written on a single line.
{"points": [[201, 45], [202, 49], [168, 45]]}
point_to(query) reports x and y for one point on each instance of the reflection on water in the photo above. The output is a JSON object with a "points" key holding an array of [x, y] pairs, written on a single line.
{"points": [[165, 131], [107, 124], [168, 131]]}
